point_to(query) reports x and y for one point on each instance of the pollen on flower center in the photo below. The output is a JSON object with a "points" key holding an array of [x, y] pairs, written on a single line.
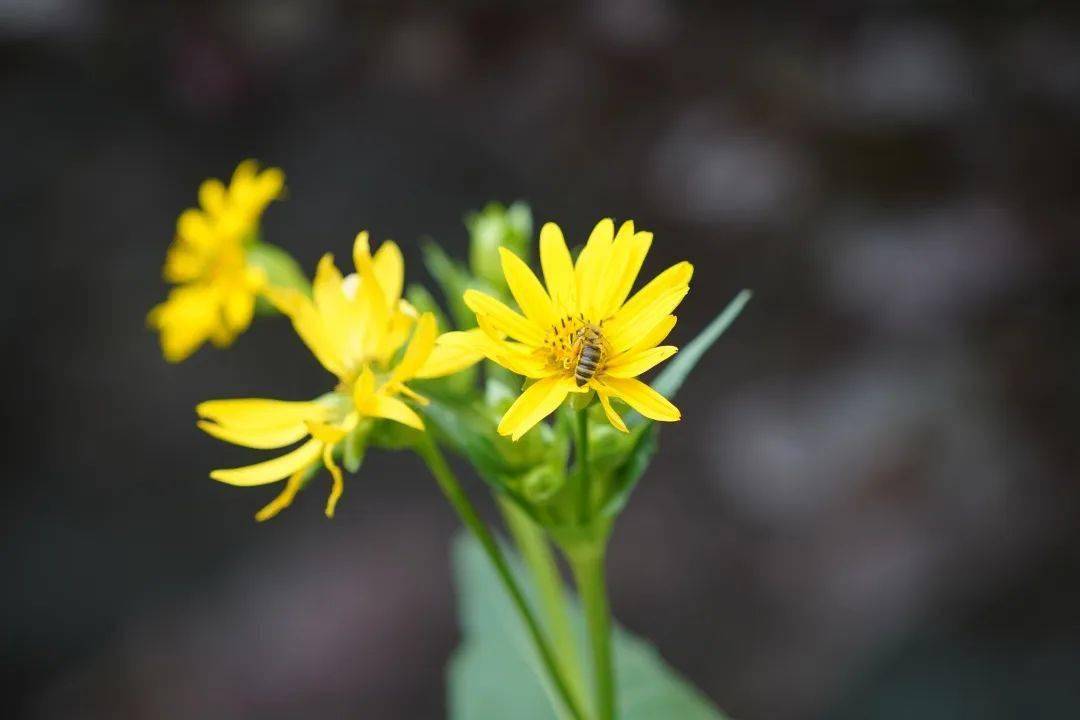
{"points": [[567, 339]]}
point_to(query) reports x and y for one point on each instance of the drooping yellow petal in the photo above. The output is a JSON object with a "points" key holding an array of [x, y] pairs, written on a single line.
{"points": [[537, 402], [259, 438], [284, 498], [274, 470], [630, 365], [391, 408], [642, 398], [338, 486], [261, 414], [612, 416], [504, 319], [558, 269], [390, 270], [591, 264], [447, 359], [513, 356], [527, 290], [418, 351]]}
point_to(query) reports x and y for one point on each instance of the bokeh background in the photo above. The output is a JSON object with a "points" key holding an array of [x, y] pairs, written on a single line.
{"points": [[870, 509]]}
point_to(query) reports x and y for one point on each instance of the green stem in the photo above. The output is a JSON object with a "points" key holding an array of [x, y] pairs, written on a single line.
{"points": [[588, 568], [536, 551], [451, 488], [581, 447]]}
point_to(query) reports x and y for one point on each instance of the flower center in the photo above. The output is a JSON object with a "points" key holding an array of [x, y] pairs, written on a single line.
{"points": [[576, 345]]}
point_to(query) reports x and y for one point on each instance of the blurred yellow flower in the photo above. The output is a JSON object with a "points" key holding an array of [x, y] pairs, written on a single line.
{"points": [[356, 327], [580, 333], [216, 288]]}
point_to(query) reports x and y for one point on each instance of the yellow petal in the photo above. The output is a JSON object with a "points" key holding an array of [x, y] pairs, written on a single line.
{"points": [[538, 401], [612, 272], [416, 354], [238, 309], [391, 408], [372, 299], [640, 325], [341, 318], [591, 264], [272, 470], [656, 335], [309, 326], [390, 269], [338, 486], [630, 365], [259, 438], [642, 398], [612, 416], [189, 317], [260, 414], [625, 273], [212, 196], [504, 319], [284, 499], [675, 277], [558, 269], [447, 359], [194, 227], [527, 290], [364, 389]]}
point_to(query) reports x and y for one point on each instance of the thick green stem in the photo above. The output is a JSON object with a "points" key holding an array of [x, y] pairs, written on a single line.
{"points": [[581, 446], [588, 567], [451, 488], [536, 551]]}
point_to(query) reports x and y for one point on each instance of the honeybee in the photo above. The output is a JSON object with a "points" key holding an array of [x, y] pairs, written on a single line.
{"points": [[590, 340]]}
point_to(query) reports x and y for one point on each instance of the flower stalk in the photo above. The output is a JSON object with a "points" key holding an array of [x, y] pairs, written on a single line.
{"points": [[587, 565], [453, 491]]}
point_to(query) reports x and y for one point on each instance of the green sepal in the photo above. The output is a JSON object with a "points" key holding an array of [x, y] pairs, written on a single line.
{"points": [[355, 445], [392, 435], [280, 267]]}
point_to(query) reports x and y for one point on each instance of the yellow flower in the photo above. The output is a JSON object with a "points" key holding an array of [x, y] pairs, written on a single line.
{"points": [[355, 326], [216, 287], [583, 310]]}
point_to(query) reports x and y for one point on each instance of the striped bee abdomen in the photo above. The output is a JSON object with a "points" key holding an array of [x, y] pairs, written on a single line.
{"points": [[587, 363]]}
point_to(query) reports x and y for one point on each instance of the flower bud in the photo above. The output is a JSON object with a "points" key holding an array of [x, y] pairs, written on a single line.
{"points": [[541, 484], [495, 227]]}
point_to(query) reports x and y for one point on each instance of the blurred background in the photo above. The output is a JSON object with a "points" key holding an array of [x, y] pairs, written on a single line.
{"points": [[871, 507]]}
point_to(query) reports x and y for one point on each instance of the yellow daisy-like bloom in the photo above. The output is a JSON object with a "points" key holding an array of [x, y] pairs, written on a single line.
{"points": [[216, 289], [355, 326], [580, 333]]}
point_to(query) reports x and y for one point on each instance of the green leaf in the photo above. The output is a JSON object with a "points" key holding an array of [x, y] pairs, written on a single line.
{"points": [[667, 383], [671, 378], [495, 674]]}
